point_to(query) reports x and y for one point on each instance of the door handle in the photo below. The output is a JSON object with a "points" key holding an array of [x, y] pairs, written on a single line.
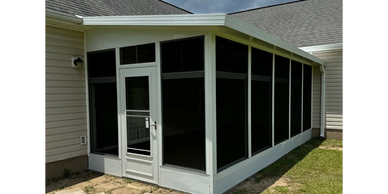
{"points": [[154, 124]]}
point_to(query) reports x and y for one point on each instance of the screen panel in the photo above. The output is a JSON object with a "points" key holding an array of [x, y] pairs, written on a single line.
{"points": [[232, 97], [101, 67], [307, 79], [183, 103], [296, 98], [282, 69], [261, 103]]}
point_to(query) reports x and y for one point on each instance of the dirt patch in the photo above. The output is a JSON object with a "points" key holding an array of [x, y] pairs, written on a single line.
{"points": [[96, 183]]}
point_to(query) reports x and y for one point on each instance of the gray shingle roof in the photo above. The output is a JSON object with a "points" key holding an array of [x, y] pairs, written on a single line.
{"points": [[113, 7], [302, 23]]}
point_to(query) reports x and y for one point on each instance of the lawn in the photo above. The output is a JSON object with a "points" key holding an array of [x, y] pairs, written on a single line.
{"points": [[313, 167]]}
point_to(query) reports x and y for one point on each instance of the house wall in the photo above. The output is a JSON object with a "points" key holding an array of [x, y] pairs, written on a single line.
{"points": [[65, 97], [334, 89]]}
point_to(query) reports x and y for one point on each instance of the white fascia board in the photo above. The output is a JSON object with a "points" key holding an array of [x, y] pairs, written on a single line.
{"points": [[261, 35], [158, 20], [220, 19], [320, 48]]}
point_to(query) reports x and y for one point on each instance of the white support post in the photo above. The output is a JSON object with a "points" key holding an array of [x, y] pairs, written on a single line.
{"points": [[323, 95], [119, 108], [311, 99], [301, 126], [159, 94], [273, 100], [210, 109], [87, 104], [289, 101], [249, 101]]}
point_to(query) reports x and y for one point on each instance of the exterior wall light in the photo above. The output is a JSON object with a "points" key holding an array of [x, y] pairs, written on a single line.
{"points": [[76, 62]]}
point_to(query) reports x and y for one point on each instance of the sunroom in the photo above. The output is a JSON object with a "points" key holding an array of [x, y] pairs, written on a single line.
{"points": [[195, 103]]}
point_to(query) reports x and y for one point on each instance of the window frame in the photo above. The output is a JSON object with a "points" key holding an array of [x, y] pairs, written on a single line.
{"points": [[120, 51]]}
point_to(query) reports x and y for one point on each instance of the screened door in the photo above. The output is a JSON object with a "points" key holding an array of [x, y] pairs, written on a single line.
{"points": [[139, 125]]}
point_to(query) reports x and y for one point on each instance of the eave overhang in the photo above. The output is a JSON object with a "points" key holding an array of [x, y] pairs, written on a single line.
{"points": [[322, 48], [62, 20], [198, 20]]}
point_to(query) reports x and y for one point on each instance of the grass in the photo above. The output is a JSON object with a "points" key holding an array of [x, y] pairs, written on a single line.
{"points": [[240, 191], [66, 173], [331, 143], [89, 189], [309, 168], [281, 189]]}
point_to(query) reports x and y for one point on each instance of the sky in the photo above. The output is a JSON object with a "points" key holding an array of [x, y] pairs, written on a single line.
{"points": [[222, 6]]}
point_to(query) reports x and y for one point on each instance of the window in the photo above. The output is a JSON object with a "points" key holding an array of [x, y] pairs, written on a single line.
{"points": [[137, 54], [296, 98], [101, 64], [282, 73], [183, 56], [103, 102], [261, 104], [232, 97], [183, 103]]}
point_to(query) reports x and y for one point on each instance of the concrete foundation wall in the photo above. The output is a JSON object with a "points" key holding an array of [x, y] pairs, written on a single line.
{"points": [[329, 133], [77, 164]]}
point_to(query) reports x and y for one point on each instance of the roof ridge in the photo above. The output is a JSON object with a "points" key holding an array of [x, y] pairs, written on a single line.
{"points": [[268, 6], [176, 6]]}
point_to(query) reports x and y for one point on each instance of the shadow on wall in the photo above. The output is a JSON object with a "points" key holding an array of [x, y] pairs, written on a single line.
{"points": [[268, 176]]}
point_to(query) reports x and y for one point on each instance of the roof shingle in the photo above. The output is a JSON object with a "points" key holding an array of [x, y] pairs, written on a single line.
{"points": [[113, 7], [301, 23]]}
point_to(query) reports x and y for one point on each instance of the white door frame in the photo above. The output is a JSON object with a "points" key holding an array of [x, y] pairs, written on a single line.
{"points": [[137, 166]]}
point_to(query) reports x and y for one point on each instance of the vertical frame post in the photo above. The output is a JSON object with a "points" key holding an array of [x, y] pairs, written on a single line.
{"points": [[273, 100], [210, 109], [87, 104], [301, 130], [289, 100], [249, 101], [119, 107], [159, 100]]}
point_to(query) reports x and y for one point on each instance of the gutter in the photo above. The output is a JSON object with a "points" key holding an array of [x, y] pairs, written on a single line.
{"points": [[64, 17], [65, 20], [323, 91], [322, 48]]}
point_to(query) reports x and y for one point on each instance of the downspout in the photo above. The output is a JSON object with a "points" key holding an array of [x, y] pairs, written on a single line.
{"points": [[323, 111]]}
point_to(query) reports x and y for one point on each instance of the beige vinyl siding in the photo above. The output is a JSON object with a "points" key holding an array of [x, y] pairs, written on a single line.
{"points": [[333, 99], [65, 95], [316, 97]]}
